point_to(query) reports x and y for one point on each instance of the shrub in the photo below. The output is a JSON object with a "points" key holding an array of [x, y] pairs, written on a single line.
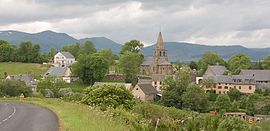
{"points": [[233, 124], [108, 96], [14, 88]]}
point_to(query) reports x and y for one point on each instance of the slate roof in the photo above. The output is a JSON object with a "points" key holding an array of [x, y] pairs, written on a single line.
{"points": [[245, 79], [217, 70], [147, 88], [111, 83], [28, 79], [56, 71], [67, 55], [260, 75]]}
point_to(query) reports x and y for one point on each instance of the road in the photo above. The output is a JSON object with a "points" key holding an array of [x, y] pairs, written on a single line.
{"points": [[15, 116]]}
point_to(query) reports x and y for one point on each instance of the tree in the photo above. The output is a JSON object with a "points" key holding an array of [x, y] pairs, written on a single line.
{"points": [[7, 51], [87, 48], [223, 103], [234, 94], [27, 52], [54, 84], [129, 64], [209, 58], [174, 87], [73, 49], [108, 96], [195, 99], [108, 55], [90, 68], [193, 65], [238, 62], [52, 52], [266, 63], [132, 46]]}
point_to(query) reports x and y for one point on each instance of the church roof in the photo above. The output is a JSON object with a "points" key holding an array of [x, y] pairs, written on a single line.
{"points": [[147, 61], [160, 44]]}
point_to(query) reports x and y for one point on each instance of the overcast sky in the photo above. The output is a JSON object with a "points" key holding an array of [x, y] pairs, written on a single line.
{"points": [[212, 22]]}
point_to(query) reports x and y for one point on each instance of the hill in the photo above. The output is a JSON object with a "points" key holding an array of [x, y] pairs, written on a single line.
{"points": [[176, 50], [187, 51], [49, 39]]}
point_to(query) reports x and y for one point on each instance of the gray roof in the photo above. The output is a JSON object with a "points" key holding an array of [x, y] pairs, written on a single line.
{"points": [[27, 78], [217, 70], [260, 75], [147, 88], [56, 71], [233, 79], [67, 55], [111, 83]]}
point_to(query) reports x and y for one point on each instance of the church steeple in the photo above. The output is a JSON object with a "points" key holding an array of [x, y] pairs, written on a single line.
{"points": [[160, 44]]}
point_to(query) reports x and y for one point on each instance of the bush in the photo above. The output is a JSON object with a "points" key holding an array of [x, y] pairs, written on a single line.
{"points": [[108, 96], [14, 88], [233, 124]]}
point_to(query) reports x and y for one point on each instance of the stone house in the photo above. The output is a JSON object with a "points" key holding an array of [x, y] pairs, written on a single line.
{"points": [[63, 59], [144, 92], [223, 83], [262, 77], [27, 78], [61, 72]]}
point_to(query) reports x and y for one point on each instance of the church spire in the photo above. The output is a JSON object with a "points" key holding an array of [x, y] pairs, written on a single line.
{"points": [[160, 44]]}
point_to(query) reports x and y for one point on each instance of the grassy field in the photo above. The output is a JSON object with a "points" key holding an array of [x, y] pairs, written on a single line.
{"points": [[77, 117], [13, 68]]}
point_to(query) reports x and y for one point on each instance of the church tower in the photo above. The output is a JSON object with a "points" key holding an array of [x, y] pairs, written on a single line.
{"points": [[160, 62]]}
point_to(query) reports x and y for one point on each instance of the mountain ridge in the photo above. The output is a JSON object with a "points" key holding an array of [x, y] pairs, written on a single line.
{"points": [[183, 51]]}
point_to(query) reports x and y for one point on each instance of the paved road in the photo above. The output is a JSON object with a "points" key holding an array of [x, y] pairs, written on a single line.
{"points": [[15, 116]]}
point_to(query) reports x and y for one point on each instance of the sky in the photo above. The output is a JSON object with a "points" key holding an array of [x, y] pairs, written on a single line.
{"points": [[211, 22]]}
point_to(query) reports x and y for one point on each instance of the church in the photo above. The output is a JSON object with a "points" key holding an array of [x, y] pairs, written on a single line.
{"points": [[158, 66]]}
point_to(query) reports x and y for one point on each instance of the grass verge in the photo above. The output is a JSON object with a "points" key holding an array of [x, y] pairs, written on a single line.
{"points": [[77, 117]]}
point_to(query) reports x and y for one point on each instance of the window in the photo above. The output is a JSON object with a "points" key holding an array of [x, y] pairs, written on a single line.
{"points": [[160, 53], [219, 87], [224, 92], [163, 53], [226, 87], [240, 87], [160, 83], [219, 92], [234, 87], [250, 87], [225, 83], [155, 82], [137, 88]]}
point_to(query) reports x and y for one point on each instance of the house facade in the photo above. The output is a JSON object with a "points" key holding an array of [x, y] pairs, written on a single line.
{"points": [[223, 83], [144, 92], [63, 59], [28, 79]]}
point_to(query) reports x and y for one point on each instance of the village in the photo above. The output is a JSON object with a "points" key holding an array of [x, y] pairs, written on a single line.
{"points": [[153, 71]]}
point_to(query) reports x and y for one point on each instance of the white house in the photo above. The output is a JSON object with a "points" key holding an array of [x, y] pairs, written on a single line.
{"points": [[63, 59]]}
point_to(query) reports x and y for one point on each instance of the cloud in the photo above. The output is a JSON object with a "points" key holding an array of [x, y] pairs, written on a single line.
{"points": [[219, 22]]}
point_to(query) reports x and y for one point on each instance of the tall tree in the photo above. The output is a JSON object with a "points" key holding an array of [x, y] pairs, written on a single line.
{"points": [[195, 99], [7, 51], [223, 103], [174, 87], [132, 46], [129, 64], [209, 58], [87, 48], [73, 49], [238, 62], [266, 63], [90, 68]]}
